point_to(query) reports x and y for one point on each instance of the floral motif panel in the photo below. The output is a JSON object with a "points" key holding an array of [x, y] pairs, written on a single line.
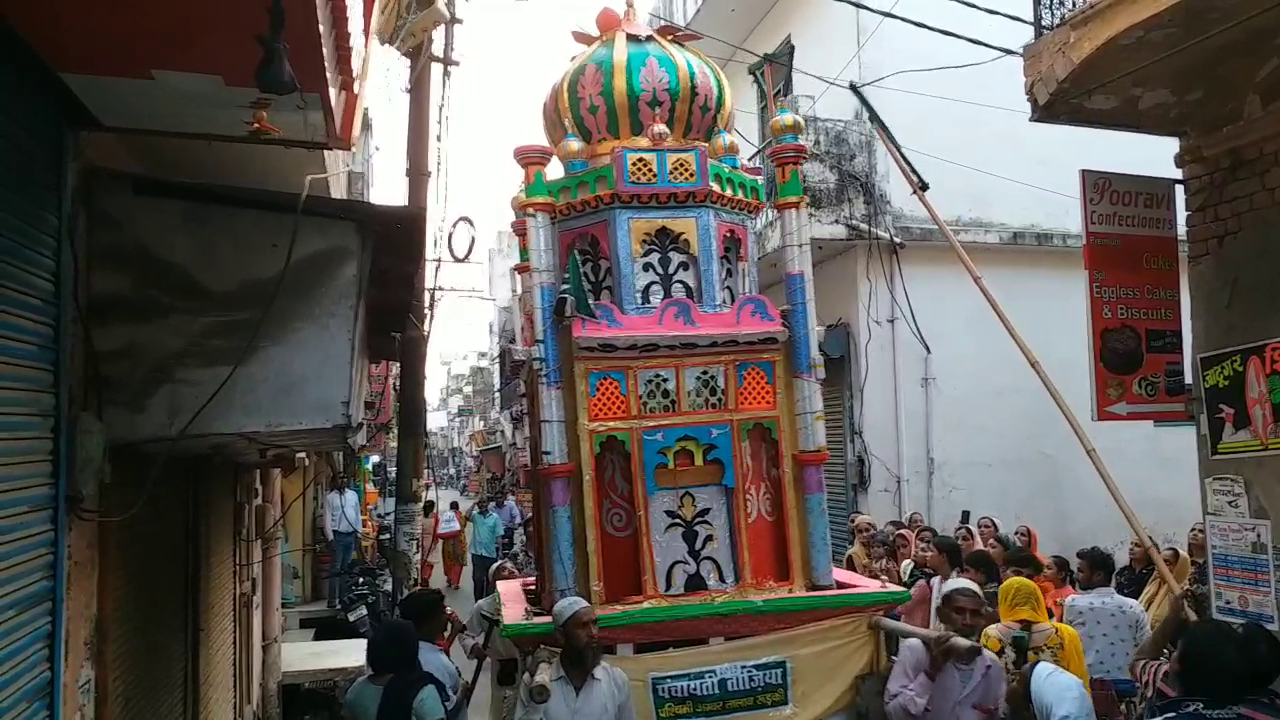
{"points": [[666, 260], [704, 388], [591, 244], [622, 576], [657, 390], [690, 533], [762, 502]]}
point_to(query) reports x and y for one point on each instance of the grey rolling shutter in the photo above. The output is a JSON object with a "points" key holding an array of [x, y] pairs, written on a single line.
{"points": [[217, 602], [32, 166], [835, 472]]}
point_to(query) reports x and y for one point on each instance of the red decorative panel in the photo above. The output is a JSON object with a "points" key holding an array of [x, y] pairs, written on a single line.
{"points": [[582, 238], [621, 569], [762, 506], [737, 232]]}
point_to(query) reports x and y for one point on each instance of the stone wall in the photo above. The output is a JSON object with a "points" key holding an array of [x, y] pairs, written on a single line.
{"points": [[1228, 193]]}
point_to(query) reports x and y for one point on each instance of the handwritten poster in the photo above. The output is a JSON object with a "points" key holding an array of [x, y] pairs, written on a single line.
{"points": [[1241, 578], [1225, 496], [722, 690], [1134, 281], [1241, 388]]}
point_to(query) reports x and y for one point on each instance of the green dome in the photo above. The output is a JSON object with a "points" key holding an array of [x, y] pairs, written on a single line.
{"points": [[624, 82]]}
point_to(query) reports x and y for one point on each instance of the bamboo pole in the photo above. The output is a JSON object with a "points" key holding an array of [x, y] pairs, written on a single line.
{"points": [[1092, 452], [901, 629]]}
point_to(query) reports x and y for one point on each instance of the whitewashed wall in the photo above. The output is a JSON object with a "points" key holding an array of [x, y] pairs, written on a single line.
{"points": [[989, 130], [1000, 445]]}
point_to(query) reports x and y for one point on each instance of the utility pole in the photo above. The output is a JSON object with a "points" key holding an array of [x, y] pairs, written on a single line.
{"points": [[413, 342]]}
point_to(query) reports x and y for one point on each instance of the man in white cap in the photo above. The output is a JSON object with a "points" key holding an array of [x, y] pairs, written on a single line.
{"points": [[583, 686], [937, 682], [503, 656]]}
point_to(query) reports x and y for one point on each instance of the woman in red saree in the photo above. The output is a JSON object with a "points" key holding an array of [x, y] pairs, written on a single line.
{"points": [[451, 536]]}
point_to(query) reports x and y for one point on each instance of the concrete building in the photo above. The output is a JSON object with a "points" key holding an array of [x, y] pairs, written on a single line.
{"points": [[1205, 74], [965, 425]]}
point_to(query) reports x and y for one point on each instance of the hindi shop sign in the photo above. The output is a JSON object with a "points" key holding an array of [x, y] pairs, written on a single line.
{"points": [[1241, 389], [1135, 297], [721, 691]]}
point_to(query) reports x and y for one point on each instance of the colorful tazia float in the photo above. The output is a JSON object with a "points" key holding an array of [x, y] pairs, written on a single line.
{"points": [[675, 412]]}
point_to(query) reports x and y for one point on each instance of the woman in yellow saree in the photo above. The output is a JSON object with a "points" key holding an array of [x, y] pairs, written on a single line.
{"points": [[1022, 609]]}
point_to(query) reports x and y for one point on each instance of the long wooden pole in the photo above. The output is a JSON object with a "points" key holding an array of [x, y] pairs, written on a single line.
{"points": [[1049, 386]]}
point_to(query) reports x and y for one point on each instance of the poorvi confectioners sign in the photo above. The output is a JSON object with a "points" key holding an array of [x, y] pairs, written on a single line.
{"points": [[1135, 296]]}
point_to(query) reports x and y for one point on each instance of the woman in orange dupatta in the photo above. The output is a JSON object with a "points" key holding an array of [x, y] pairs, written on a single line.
{"points": [[1027, 537]]}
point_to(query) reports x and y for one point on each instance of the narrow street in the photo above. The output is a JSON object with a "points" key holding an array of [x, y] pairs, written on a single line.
{"points": [[462, 601]]}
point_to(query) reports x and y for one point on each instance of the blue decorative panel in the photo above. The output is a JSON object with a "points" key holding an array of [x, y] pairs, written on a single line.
{"points": [[687, 456], [801, 324], [550, 342], [593, 380]]}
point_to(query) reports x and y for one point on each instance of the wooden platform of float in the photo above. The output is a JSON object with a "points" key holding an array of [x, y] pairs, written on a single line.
{"points": [[727, 615]]}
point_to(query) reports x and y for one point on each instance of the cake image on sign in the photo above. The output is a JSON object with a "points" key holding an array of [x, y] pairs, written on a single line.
{"points": [[1120, 350]]}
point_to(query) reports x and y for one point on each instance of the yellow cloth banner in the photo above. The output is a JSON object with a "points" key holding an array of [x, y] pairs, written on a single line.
{"points": [[821, 663]]}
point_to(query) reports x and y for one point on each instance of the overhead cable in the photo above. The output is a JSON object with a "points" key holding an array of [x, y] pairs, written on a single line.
{"points": [[930, 28], [991, 11]]}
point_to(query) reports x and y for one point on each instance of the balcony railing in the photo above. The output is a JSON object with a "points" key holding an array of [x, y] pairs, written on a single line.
{"points": [[1048, 15]]}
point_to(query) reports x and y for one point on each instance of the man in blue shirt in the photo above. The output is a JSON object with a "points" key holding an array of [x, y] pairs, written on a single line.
{"points": [[486, 533], [504, 504]]}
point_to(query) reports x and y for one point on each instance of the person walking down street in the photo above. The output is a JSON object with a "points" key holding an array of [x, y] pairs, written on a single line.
{"points": [[1157, 598], [583, 686], [396, 687], [933, 681], [451, 536], [1043, 691], [1111, 627], [426, 609], [482, 639], [1132, 579], [1022, 609], [504, 504], [486, 534], [341, 526], [430, 544]]}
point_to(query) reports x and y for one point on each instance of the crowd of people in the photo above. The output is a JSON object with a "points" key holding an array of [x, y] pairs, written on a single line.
{"points": [[1048, 638]]}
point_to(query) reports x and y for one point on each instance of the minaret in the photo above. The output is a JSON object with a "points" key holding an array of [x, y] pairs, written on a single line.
{"points": [[553, 466], [787, 154]]}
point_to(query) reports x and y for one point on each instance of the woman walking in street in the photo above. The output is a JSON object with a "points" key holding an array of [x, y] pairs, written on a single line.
{"points": [[430, 545], [396, 687], [451, 535]]}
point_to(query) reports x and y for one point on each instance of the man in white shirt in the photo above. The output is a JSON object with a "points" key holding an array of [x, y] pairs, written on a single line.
{"points": [[341, 526], [1111, 626], [583, 686], [482, 639]]}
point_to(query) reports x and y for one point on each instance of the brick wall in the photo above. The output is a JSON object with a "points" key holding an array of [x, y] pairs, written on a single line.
{"points": [[1229, 192]]}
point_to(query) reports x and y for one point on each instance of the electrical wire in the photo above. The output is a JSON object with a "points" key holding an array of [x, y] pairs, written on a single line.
{"points": [[91, 514], [930, 28], [936, 68], [992, 11], [853, 57]]}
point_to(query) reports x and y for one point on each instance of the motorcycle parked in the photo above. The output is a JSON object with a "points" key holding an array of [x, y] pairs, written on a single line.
{"points": [[366, 603]]}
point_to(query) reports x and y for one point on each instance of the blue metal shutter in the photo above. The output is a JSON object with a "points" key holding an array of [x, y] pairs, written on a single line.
{"points": [[32, 157]]}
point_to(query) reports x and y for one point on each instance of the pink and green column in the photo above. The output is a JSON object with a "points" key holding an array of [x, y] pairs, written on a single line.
{"points": [[553, 466], [788, 154]]}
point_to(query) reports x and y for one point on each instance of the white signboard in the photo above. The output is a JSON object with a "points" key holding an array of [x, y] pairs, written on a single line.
{"points": [[1225, 496], [1120, 204], [1242, 586]]}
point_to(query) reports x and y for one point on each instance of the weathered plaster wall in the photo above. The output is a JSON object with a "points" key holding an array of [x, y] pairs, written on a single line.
{"points": [[1233, 222]]}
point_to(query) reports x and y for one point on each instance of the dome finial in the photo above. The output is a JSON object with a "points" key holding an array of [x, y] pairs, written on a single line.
{"points": [[574, 154], [630, 13], [724, 147]]}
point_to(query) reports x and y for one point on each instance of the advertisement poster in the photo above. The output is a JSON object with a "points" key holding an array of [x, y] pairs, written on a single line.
{"points": [[722, 690], [1225, 496], [1241, 580], [1135, 288], [1241, 389]]}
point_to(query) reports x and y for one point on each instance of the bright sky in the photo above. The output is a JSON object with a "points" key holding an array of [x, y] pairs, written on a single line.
{"points": [[511, 52]]}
